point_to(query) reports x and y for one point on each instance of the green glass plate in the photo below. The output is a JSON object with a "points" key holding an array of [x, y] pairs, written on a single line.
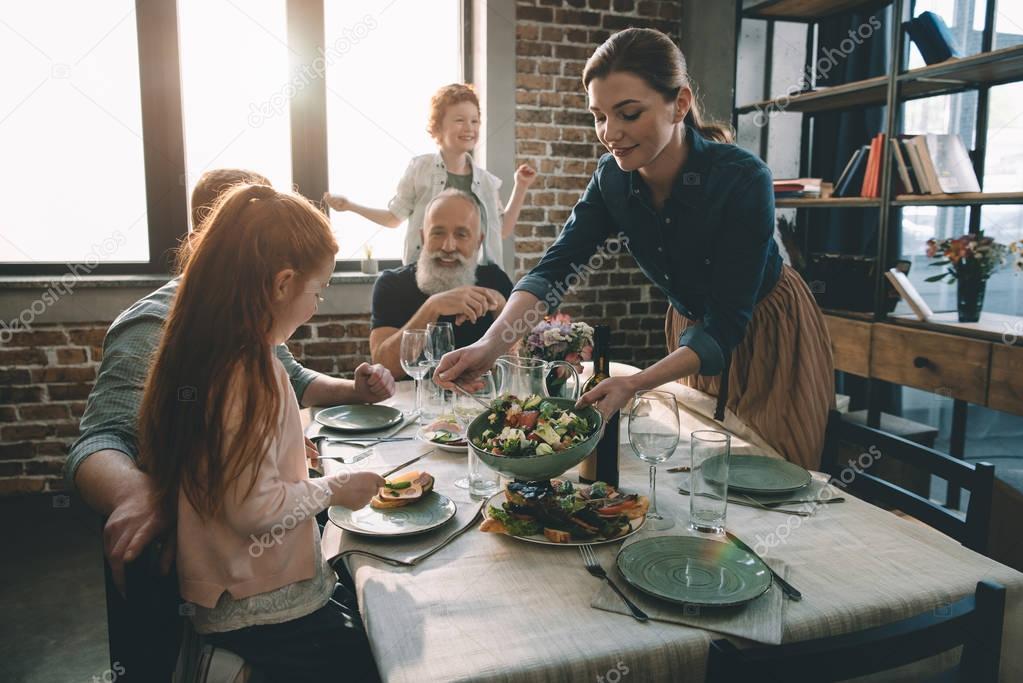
{"points": [[359, 418], [694, 571], [419, 517], [757, 474]]}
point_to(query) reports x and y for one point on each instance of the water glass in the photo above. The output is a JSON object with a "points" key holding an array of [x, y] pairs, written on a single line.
{"points": [[653, 435], [708, 480], [479, 479], [440, 340]]}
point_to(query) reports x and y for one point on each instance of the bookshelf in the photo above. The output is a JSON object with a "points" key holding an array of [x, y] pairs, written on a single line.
{"points": [[978, 72]]}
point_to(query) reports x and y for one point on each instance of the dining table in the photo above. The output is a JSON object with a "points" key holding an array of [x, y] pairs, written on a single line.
{"points": [[490, 607]]}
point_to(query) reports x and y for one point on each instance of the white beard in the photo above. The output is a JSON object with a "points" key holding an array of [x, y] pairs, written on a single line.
{"points": [[434, 279]]}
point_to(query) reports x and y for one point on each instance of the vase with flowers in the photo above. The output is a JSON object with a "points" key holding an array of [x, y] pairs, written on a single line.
{"points": [[969, 260], [558, 338]]}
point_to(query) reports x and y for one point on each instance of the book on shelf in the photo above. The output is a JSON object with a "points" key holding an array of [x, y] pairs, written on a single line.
{"points": [[909, 294], [852, 177], [872, 178], [932, 37], [903, 177], [797, 187], [952, 165]]}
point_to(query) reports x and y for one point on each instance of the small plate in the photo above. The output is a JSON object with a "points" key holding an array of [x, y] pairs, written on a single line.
{"points": [[424, 515], [758, 474], [359, 418], [689, 570], [498, 499], [450, 448]]}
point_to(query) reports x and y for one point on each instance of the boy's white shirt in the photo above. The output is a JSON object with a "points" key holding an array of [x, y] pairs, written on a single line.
{"points": [[425, 178]]}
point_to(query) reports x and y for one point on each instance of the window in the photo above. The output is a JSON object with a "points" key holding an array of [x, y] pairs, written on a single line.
{"points": [[1004, 155], [234, 74], [380, 76], [103, 147], [71, 135]]}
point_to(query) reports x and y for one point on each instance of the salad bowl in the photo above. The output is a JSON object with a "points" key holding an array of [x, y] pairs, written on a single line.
{"points": [[538, 467]]}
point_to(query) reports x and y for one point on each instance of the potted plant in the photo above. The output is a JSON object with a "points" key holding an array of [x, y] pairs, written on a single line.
{"points": [[558, 338], [969, 260], [369, 264]]}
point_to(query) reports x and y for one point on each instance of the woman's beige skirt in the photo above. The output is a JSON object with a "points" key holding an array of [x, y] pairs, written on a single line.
{"points": [[782, 379]]}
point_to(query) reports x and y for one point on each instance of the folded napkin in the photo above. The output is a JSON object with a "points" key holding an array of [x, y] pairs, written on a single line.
{"points": [[759, 620], [410, 548]]}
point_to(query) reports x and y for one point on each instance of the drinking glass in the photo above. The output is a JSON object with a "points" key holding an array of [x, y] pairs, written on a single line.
{"points": [[653, 435], [479, 479], [415, 362], [441, 340], [708, 480]]}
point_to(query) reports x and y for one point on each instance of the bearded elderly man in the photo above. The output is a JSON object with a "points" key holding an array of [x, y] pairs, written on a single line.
{"points": [[444, 285]]}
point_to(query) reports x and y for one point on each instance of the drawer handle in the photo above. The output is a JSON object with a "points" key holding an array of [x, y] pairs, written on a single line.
{"points": [[922, 362]]}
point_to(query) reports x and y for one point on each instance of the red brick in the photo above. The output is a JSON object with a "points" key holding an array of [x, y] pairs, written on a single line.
{"points": [[69, 392], [330, 331], [324, 365], [600, 4], [16, 451], [20, 486], [23, 432], [528, 98], [593, 311], [52, 448], [343, 348], [7, 414], [581, 52], [64, 374], [358, 330], [20, 395], [38, 338], [624, 5], [96, 353], [10, 376], [598, 36], [43, 467], [531, 147], [77, 408], [534, 82], [303, 332], [527, 32], [44, 411], [533, 116], [22, 357], [88, 337], [616, 309], [572, 68], [11, 469], [569, 149], [72, 356], [567, 16], [535, 14], [526, 48], [549, 66]]}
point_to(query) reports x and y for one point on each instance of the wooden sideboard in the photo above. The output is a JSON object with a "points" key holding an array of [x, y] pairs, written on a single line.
{"points": [[976, 370]]}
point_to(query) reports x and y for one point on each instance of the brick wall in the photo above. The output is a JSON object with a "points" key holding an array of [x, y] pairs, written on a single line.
{"points": [[46, 375], [554, 132]]}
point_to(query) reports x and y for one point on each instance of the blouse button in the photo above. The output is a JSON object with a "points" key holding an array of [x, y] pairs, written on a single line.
{"points": [[667, 220], [707, 262], [660, 249], [636, 191]]}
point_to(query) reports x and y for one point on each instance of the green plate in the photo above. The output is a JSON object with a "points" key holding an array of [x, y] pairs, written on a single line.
{"points": [[427, 514], [359, 418], [757, 474], [694, 571]]}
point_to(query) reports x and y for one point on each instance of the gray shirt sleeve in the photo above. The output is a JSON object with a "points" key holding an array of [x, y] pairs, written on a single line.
{"points": [[301, 377]]}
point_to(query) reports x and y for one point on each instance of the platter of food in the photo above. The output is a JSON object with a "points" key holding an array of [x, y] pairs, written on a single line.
{"points": [[404, 506], [443, 434], [560, 512]]}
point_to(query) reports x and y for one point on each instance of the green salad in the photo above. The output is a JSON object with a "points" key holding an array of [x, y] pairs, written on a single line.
{"points": [[531, 426]]}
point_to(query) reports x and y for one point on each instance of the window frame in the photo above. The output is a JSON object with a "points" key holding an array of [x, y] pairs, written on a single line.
{"points": [[163, 133]]}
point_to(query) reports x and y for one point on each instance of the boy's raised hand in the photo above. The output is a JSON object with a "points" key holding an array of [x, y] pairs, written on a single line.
{"points": [[525, 175], [357, 489], [336, 201]]}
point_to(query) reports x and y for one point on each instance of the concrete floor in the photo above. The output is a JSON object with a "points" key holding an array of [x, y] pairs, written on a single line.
{"points": [[54, 625]]}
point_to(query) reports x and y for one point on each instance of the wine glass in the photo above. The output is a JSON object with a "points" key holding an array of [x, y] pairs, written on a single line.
{"points": [[441, 340], [415, 362], [466, 410], [653, 435]]}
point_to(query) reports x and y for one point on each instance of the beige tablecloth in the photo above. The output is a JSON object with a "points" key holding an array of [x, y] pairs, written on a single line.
{"points": [[493, 608]]}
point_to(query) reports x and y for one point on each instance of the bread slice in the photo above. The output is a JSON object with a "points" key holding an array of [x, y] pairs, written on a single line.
{"points": [[419, 484]]}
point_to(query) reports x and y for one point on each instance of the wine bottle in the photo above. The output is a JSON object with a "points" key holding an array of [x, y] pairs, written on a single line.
{"points": [[602, 464]]}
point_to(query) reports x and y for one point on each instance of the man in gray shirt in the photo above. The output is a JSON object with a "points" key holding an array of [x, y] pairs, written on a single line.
{"points": [[102, 464]]}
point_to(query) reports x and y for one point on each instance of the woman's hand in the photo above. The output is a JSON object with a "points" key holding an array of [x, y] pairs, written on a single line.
{"points": [[336, 201], [610, 395], [524, 176], [357, 489], [464, 365]]}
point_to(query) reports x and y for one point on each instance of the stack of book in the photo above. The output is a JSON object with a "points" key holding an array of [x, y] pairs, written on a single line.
{"points": [[922, 164], [797, 187]]}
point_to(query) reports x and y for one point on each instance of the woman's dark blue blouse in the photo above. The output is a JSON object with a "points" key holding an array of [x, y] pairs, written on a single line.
{"points": [[710, 249]]}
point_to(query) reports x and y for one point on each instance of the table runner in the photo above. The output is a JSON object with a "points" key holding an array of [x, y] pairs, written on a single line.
{"points": [[492, 608]]}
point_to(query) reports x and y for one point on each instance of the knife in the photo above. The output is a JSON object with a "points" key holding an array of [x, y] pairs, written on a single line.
{"points": [[406, 464], [787, 588]]}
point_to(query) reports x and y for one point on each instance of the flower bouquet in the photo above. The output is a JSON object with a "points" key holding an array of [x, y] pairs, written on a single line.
{"points": [[558, 338], [969, 260]]}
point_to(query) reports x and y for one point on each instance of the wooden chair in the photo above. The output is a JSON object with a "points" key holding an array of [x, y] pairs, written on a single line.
{"points": [[857, 478], [975, 623]]}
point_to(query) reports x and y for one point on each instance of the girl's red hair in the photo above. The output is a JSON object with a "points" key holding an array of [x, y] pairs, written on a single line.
{"points": [[448, 96], [215, 357]]}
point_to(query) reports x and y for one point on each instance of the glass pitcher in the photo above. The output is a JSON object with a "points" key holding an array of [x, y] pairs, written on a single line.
{"points": [[523, 376]]}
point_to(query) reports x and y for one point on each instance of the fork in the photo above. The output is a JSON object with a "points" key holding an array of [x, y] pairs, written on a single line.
{"points": [[594, 568]]}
